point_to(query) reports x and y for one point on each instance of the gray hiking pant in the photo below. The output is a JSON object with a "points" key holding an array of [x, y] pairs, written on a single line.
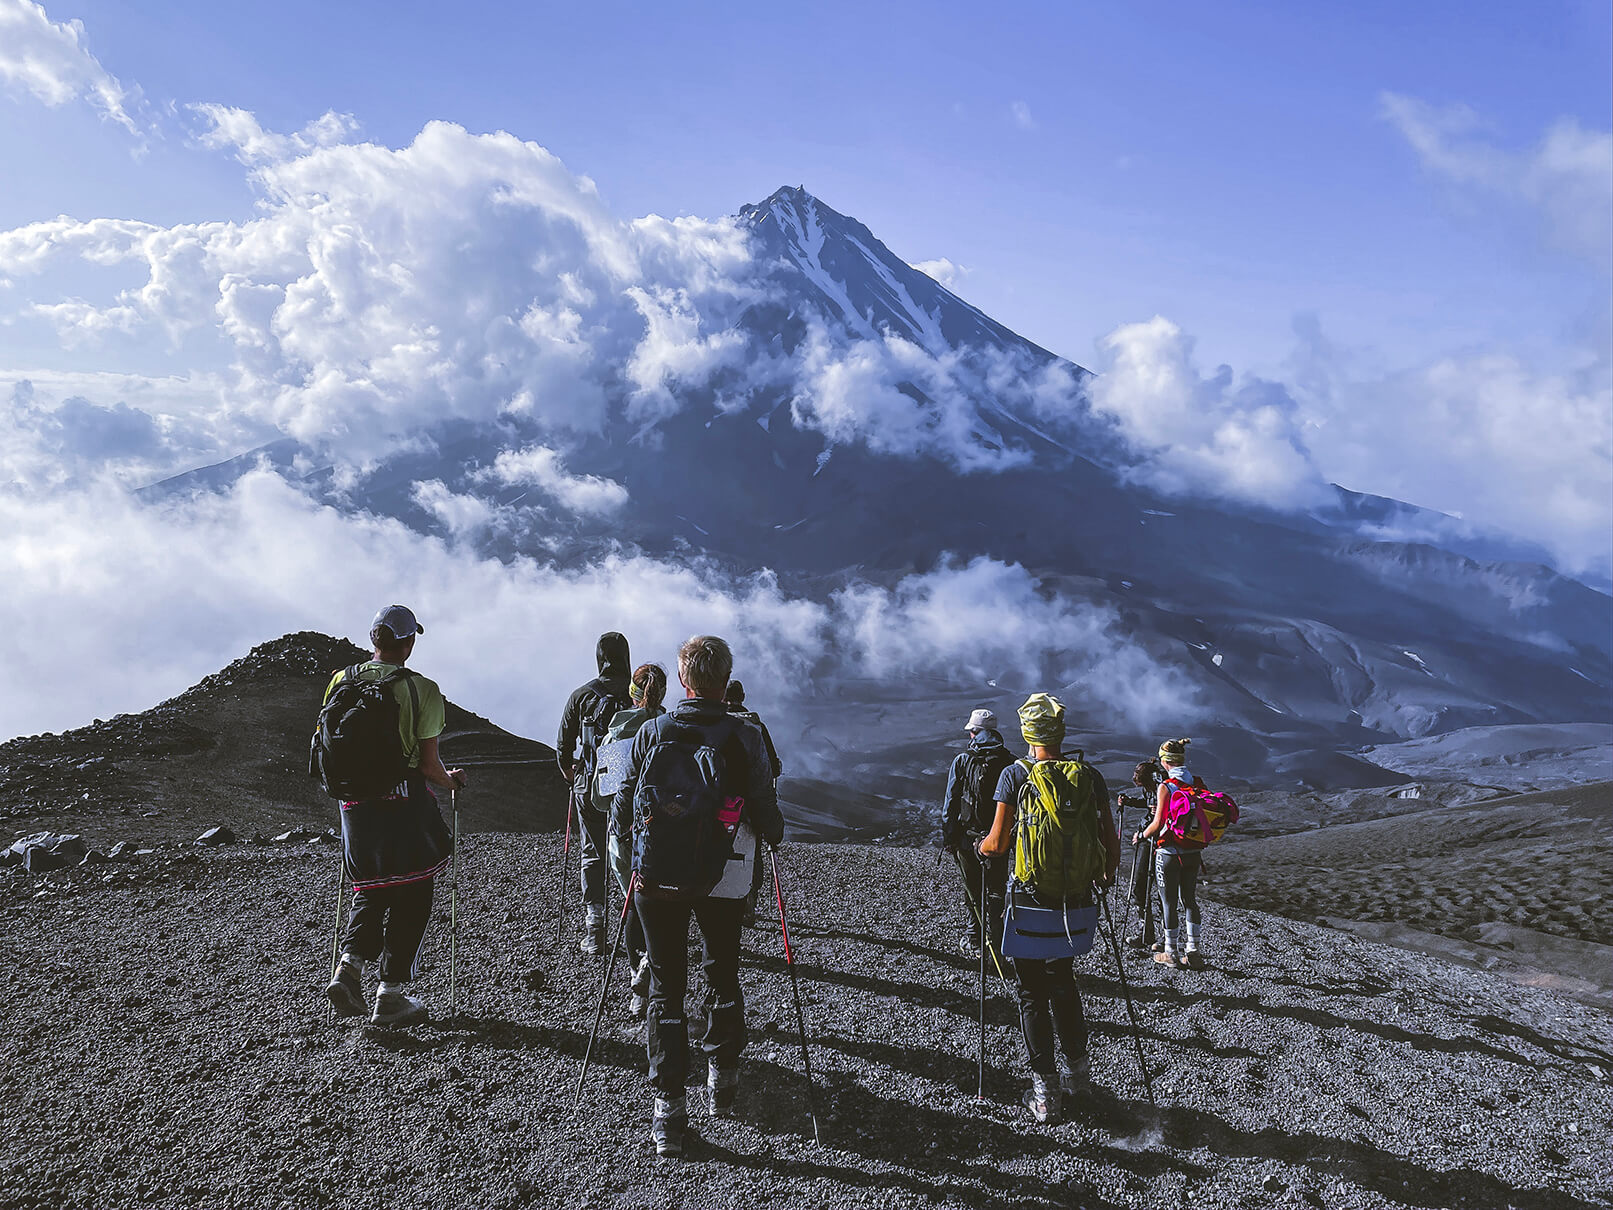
{"points": [[595, 861], [1179, 880]]}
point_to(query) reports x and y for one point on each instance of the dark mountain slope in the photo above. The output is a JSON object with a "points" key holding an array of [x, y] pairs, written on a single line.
{"points": [[234, 749]]}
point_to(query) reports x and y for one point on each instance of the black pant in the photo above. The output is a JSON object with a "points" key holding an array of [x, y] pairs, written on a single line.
{"points": [[1049, 1000], [666, 936], [389, 923], [996, 881], [1142, 885]]}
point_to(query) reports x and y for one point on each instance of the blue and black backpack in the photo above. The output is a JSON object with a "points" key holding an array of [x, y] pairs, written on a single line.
{"points": [[686, 809]]}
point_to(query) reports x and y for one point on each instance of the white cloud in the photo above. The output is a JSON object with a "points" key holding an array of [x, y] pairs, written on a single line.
{"points": [[237, 130], [1486, 436], [1022, 115], [50, 61], [541, 467], [203, 578], [943, 271], [1567, 177], [1202, 436]]}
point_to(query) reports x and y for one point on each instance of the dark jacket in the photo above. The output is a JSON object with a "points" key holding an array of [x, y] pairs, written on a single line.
{"points": [[985, 743], [615, 673], [755, 780], [751, 717]]}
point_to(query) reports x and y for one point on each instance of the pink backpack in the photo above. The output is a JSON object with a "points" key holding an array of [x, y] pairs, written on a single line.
{"points": [[1196, 817]]}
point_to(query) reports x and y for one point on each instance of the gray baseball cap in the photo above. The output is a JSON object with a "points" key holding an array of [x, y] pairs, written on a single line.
{"points": [[982, 720], [400, 620]]}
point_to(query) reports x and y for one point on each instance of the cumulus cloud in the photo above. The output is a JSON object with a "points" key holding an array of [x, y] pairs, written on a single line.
{"points": [[1489, 437], [1567, 176], [383, 290], [942, 270], [50, 60], [1201, 435], [542, 468]]}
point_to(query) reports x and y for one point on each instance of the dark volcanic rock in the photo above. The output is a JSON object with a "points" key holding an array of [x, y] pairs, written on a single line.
{"points": [[1304, 1067], [216, 836]]}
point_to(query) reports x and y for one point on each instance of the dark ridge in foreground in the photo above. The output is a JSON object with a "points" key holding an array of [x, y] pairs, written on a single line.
{"points": [[168, 1045], [234, 747]]}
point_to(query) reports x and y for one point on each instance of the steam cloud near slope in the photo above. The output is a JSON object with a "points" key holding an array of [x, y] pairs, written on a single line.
{"points": [[142, 600]]}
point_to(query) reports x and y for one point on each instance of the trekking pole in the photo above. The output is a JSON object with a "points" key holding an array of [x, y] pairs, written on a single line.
{"points": [[336, 933], [604, 988], [985, 941], [1131, 1011], [978, 913], [453, 914], [565, 865], [795, 989]]}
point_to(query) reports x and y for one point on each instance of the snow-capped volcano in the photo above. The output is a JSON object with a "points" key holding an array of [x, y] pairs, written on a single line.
{"points": [[824, 410], [855, 279]]}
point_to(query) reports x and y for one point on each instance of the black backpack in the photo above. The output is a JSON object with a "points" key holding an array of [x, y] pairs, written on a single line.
{"points": [[357, 751], [977, 788], [684, 812]]}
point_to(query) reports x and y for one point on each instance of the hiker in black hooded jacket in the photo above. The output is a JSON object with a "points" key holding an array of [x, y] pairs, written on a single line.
{"points": [[963, 822], [575, 752]]}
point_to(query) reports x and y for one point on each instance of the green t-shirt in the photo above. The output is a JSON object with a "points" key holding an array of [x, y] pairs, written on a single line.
{"points": [[433, 711]]}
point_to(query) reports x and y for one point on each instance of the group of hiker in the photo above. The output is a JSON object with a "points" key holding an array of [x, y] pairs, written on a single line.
{"points": [[1036, 841], [677, 804]]}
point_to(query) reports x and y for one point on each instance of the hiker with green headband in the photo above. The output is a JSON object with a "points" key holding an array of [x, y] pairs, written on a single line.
{"points": [[1049, 1000], [646, 690]]}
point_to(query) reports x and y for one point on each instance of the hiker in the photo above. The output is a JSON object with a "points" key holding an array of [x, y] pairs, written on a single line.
{"points": [[390, 910], [583, 725], [734, 696], [1176, 866], [714, 769], [1146, 776], [968, 809], [1049, 1000], [647, 690]]}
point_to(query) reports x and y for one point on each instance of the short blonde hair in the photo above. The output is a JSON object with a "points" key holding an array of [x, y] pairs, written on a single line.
{"points": [[704, 665]]}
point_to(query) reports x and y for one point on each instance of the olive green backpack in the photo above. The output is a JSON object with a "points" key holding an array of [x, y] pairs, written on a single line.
{"points": [[1058, 847]]}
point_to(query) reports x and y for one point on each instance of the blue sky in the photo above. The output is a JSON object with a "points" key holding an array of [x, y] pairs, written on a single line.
{"points": [[1227, 165]]}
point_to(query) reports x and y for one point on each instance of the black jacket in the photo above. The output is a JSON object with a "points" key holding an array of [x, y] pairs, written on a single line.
{"points": [[615, 673], [986, 743], [761, 799], [750, 716]]}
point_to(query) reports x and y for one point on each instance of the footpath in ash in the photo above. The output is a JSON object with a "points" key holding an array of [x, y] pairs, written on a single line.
{"points": [[168, 1044]]}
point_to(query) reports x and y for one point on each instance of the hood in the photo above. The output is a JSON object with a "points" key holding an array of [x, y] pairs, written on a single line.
{"points": [[611, 654], [986, 739]]}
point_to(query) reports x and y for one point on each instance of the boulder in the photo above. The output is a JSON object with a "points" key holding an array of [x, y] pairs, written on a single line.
{"points": [[95, 857], [216, 836]]}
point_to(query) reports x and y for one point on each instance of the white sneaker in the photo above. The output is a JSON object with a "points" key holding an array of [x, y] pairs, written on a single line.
{"points": [[398, 1008]]}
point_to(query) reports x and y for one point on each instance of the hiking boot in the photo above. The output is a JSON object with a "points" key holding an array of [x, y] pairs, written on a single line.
{"points": [[722, 1087], [1193, 958], [1074, 1081], [1157, 947], [1042, 1100], [639, 1002], [398, 1008], [667, 1126], [593, 933], [969, 945], [1141, 941], [1168, 958], [346, 989]]}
